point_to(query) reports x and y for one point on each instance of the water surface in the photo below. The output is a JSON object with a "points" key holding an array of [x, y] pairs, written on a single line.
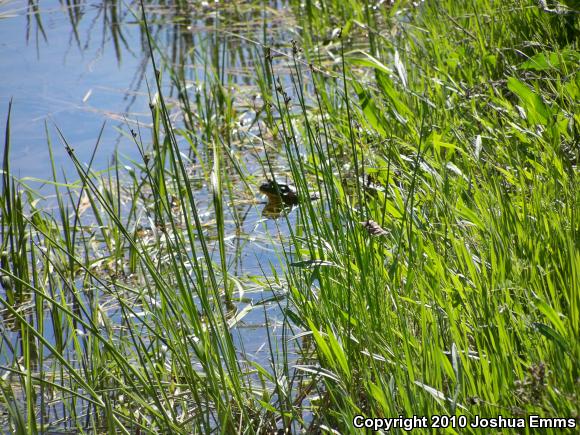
{"points": [[71, 67]]}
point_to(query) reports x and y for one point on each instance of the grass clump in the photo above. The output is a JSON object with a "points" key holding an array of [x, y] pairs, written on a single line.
{"points": [[463, 144]]}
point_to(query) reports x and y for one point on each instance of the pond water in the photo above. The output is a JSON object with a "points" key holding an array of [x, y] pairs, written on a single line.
{"points": [[63, 67], [74, 67]]}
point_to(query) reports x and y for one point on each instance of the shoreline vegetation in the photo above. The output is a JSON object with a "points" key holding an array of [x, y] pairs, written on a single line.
{"points": [[437, 273]]}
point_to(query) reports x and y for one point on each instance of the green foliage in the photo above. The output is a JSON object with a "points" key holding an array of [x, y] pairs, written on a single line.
{"points": [[439, 273]]}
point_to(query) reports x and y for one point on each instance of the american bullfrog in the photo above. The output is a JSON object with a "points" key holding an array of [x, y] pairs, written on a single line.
{"points": [[277, 193], [280, 197]]}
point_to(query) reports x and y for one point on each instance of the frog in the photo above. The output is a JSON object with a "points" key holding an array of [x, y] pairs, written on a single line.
{"points": [[279, 193], [281, 197]]}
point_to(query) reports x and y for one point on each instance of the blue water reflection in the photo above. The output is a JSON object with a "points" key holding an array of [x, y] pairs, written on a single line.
{"points": [[73, 82]]}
